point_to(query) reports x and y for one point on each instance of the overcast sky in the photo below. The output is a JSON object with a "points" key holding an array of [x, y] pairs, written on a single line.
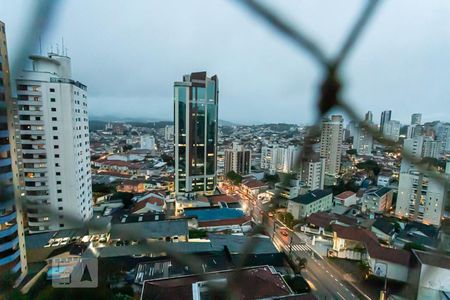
{"points": [[129, 53]]}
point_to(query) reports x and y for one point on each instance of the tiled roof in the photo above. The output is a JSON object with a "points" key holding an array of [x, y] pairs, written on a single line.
{"points": [[373, 247], [433, 259], [224, 222], [344, 195]]}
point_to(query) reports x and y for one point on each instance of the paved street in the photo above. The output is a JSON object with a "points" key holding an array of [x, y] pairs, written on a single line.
{"points": [[326, 282]]}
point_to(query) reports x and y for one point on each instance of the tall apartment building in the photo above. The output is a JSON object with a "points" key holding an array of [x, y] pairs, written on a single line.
{"points": [[196, 101], [362, 139], [12, 240], [168, 133], [147, 142], [312, 172], [385, 117], [51, 136], [416, 119], [421, 198], [369, 117], [238, 159], [419, 147], [275, 158], [391, 130], [332, 131]]}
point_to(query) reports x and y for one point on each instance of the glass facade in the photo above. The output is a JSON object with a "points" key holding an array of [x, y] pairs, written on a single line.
{"points": [[196, 128]]}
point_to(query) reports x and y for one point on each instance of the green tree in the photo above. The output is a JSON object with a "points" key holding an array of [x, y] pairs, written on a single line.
{"points": [[234, 177], [272, 178]]}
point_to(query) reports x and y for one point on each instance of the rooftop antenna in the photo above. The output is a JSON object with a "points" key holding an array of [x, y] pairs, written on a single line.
{"points": [[57, 48], [62, 46], [66, 52], [51, 48]]}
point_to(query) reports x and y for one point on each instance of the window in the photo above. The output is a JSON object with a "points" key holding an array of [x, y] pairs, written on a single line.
{"points": [[55, 128], [56, 146], [53, 108], [54, 119], [52, 99], [61, 225], [52, 90], [58, 182], [59, 191], [58, 173], [55, 137], [60, 208], [56, 155], [57, 165], [59, 199]]}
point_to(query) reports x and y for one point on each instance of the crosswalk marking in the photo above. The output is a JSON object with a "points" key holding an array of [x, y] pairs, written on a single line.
{"points": [[298, 248]]}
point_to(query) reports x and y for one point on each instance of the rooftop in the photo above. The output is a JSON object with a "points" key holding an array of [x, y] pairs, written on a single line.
{"points": [[312, 196], [433, 259], [344, 195], [378, 191], [264, 283]]}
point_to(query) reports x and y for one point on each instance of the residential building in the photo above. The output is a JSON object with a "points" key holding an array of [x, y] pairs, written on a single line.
{"points": [[168, 133], [312, 171], [385, 117], [383, 261], [377, 200], [384, 177], [238, 159], [12, 241], [275, 158], [311, 202], [52, 140], [347, 198], [384, 230], [147, 142], [196, 100], [416, 119], [421, 198], [332, 131], [288, 191], [391, 130], [362, 139]]}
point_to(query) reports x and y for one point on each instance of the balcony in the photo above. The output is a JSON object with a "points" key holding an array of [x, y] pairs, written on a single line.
{"points": [[36, 188], [29, 102], [10, 258], [5, 148], [8, 218], [28, 93], [32, 142], [30, 113], [4, 133], [5, 162], [31, 122], [32, 132], [9, 245], [8, 231], [6, 176], [34, 151]]}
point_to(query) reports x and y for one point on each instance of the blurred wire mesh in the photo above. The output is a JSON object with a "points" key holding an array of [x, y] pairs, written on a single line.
{"points": [[329, 97]]}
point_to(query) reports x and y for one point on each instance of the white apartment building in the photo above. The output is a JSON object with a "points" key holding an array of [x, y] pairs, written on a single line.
{"points": [[391, 130], [147, 142], [332, 132], [52, 141], [276, 158], [419, 147], [312, 172], [420, 198], [362, 140], [304, 205], [168, 133]]}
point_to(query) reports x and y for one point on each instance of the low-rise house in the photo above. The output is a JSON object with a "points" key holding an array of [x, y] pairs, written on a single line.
{"points": [[383, 230], [419, 234], [384, 177], [311, 202], [150, 202], [251, 187], [288, 191], [347, 198], [322, 221], [377, 200], [361, 244], [429, 277], [134, 186]]}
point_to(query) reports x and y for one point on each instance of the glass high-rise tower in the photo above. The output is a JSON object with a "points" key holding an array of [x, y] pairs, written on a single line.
{"points": [[196, 100]]}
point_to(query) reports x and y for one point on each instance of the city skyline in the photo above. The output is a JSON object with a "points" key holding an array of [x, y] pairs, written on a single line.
{"points": [[153, 61]]}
